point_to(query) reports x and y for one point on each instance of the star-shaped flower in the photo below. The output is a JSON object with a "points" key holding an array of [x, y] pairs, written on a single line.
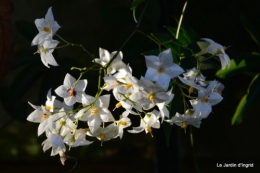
{"points": [[161, 69], [218, 50], [47, 28], [45, 49], [72, 91]]}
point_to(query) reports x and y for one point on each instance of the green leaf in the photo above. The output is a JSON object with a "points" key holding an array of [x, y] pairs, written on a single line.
{"points": [[249, 101], [203, 46], [232, 70], [181, 38], [248, 63], [252, 25], [189, 33], [135, 4]]}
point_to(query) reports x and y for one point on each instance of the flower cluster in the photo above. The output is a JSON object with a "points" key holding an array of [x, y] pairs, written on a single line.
{"points": [[147, 97]]}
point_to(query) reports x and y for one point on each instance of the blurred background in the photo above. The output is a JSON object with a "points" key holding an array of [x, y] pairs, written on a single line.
{"points": [[222, 138]]}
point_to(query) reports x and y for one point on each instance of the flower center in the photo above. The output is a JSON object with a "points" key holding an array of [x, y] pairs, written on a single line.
{"points": [[197, 73], [94, 111], [127, 86], [190, 112], [160, 70], [44, 50], [46, 29], [72, 139], [62, 123], [45, 116], [204, 99], [72, 92]]}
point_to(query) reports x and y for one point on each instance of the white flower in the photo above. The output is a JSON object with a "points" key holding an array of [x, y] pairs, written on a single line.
{"points": [[206, 99], [63, 124], [164, 112], [71, 90], [77, 139], [47, 28], [151, 94], [186, 119], [52, 104], [123, 123], [105, 134], [116, 64], [97, 114], [218, 50], [45, 49], [42, 116], [161, 69], [150, 120], [55, 141]]}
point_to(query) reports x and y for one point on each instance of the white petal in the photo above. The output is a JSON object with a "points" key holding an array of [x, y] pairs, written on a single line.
{"points": [[104, 101], [69, 81], [70, 100], [62, 91], [152, 61], [151, 74], [163, 80], [81, 85]]}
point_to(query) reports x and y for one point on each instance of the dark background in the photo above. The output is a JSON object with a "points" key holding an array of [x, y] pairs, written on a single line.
{"points": [[107, 24]]}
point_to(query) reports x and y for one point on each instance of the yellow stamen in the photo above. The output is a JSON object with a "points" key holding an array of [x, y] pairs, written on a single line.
{"points": [[102, 137], [151, 96], [45, 29], [45, 116], [94, 111], [149, 129], [118, 105], [191, 89], [204, 99], [184, 125], [127, 86], [123, 123], [224, 47], [48, 108]]}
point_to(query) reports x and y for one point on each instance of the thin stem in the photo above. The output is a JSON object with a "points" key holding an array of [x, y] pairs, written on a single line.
{"points": [[180, 21], [99, 78], [76, 45]]}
